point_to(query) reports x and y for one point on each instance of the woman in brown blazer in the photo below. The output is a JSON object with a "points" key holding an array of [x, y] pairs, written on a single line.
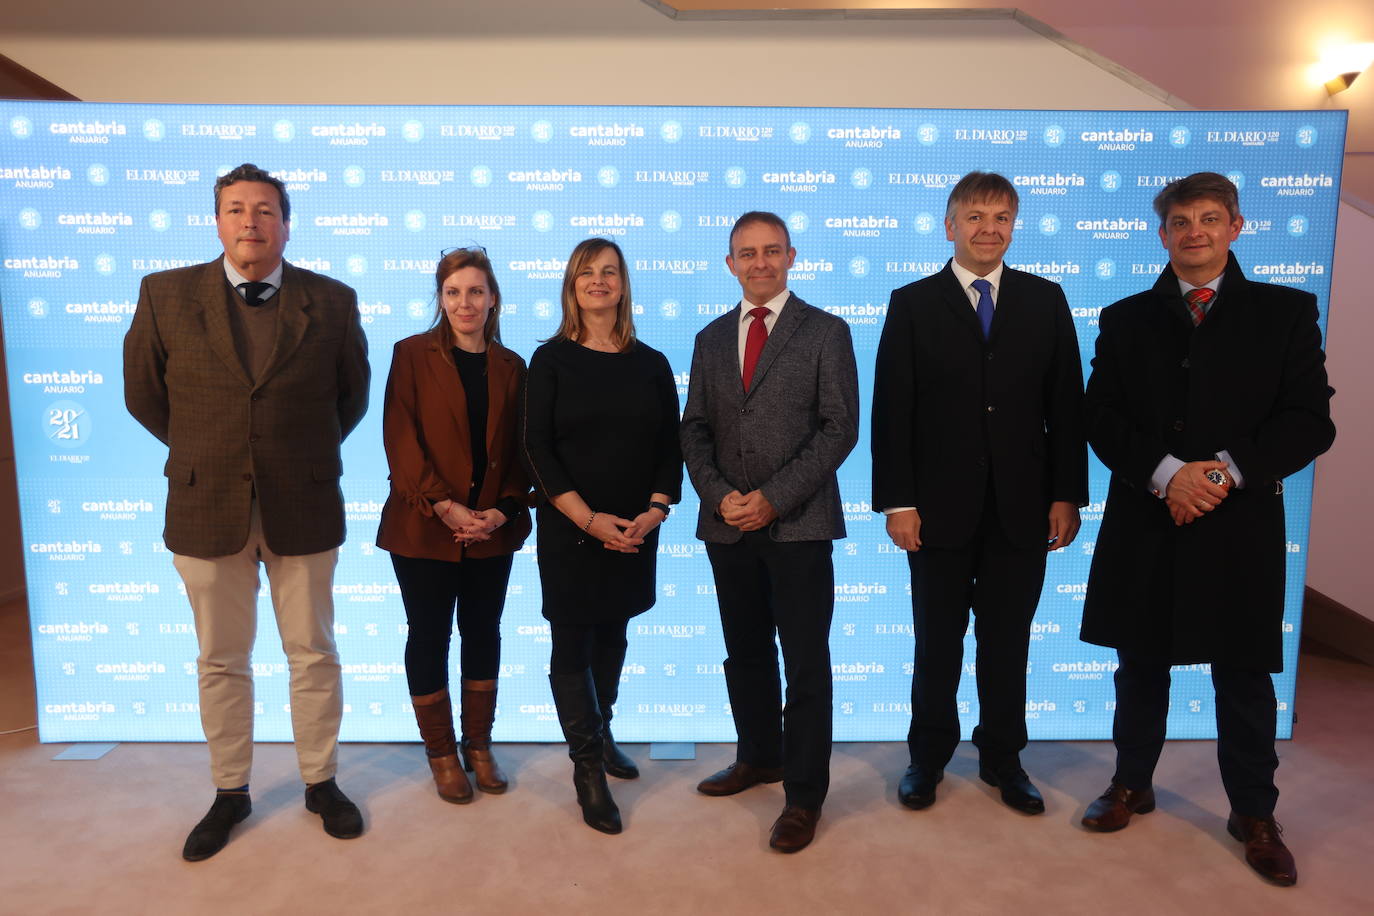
{"points": [[456, 512]]}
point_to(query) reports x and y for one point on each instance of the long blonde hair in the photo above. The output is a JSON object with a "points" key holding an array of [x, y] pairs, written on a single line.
{"points": [[570, 328]]}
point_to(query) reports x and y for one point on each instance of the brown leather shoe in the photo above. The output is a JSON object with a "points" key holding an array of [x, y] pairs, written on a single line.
{"points": [[737, 777], [1264, 849], [479, 711], [794, 829], [1114, 808], [434, 714]]}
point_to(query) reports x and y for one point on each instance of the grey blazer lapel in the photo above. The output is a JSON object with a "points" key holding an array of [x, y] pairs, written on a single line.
{"points": [[212, 298], [722, 350], [793, 315], [293, 320]]}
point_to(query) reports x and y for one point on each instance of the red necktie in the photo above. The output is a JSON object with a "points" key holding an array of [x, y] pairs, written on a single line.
{"points": [[753, 343], [1197, 300]]}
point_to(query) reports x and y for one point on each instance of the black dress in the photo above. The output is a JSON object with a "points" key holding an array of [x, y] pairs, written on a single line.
{"points": [[605, 425]]}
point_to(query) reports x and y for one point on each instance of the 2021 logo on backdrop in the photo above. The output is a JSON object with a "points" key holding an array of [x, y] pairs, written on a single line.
{"points": [[96, 196]]}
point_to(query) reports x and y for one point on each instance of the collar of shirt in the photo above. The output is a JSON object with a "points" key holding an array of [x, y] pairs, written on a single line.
{"points": [[774, 307], [237, 279], [1214, 284], [966, 278]]}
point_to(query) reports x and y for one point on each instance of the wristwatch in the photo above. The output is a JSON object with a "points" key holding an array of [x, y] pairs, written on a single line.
{"points": [[1218, 477], [666, 509]]}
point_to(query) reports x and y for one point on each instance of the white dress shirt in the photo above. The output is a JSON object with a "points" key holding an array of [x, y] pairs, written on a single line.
{"points": [[966, 278], [237, 279]]}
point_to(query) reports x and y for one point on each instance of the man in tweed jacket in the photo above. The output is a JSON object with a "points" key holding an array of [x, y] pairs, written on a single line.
{"points": [[252, 372], [763, 434]]}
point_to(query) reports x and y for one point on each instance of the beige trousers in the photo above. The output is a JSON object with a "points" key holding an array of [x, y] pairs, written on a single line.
{"points": [[224, 600]]}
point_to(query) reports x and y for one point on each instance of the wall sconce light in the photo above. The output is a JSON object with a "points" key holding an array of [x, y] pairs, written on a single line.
{"points": [[1346, 63]]}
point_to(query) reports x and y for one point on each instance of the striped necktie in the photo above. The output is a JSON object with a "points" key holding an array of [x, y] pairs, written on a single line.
{"points": [[1197, 300]]}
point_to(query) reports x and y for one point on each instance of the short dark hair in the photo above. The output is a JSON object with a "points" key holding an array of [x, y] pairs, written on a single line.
{"points": [[450, 263], [978, 187], [1194, 187], [250, 172], [759, 216]]}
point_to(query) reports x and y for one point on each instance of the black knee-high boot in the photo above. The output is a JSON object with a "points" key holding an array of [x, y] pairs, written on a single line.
{"points": [[580, 717], [606, 667]]}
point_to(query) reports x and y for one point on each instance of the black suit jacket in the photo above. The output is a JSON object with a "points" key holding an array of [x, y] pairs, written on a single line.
{"points": [[1250, 380], [951, 409]]}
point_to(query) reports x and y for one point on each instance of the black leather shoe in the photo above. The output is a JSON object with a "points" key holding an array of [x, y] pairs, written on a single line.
{"points": [[1114, 808], [1264, 848], [737, 777], [916, 789], [209, 836], [1016, 787], [342, 819], [794, 829]]}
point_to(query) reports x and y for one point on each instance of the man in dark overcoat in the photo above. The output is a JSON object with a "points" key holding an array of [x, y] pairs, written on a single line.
{"points": [[1206, 392]]}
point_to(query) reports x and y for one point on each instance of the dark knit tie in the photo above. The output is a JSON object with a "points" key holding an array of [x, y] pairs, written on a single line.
{"points": [[256, 293]]}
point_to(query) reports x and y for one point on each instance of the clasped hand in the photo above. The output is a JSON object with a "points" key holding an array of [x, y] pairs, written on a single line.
{"points": [[747, 513], [623, 535], [469, 526], [1190, 494]]}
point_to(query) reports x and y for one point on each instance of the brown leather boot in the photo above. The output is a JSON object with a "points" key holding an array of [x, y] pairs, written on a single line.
{"points": [[434, 713], [479, 711]]}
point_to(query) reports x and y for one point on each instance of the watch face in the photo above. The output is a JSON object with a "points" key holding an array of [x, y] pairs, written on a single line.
{"points": [[1217, 476]]}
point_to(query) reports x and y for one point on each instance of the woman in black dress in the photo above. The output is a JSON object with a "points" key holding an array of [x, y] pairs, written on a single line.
{"points": [[600, 443]]}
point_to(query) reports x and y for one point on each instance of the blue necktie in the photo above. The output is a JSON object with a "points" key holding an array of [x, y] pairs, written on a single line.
{"points": [[984, 304]]}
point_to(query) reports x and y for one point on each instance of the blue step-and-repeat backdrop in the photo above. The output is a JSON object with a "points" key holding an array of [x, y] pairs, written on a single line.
{"points": [[94, 196]]}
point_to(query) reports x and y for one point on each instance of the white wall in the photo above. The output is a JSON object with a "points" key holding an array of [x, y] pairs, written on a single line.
{"points": [[620, 52], [1338, 563]]}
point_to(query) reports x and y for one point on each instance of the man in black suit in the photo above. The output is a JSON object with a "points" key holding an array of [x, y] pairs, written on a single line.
{"points": [[1206, 391], [772, 411], [980, 466]]}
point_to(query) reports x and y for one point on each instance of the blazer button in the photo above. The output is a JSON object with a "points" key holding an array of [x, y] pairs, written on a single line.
{"points": [[254, 437], [247, 476], [493, 464], [989, 355], [1178, 426], [991, 409]]}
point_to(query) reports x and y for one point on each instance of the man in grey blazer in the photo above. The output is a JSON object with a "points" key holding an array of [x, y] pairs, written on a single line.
{"points": [[252, 371], [772, 412]]}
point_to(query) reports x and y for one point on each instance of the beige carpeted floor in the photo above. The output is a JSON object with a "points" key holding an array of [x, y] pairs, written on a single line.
{"points": [[105, 836]]}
